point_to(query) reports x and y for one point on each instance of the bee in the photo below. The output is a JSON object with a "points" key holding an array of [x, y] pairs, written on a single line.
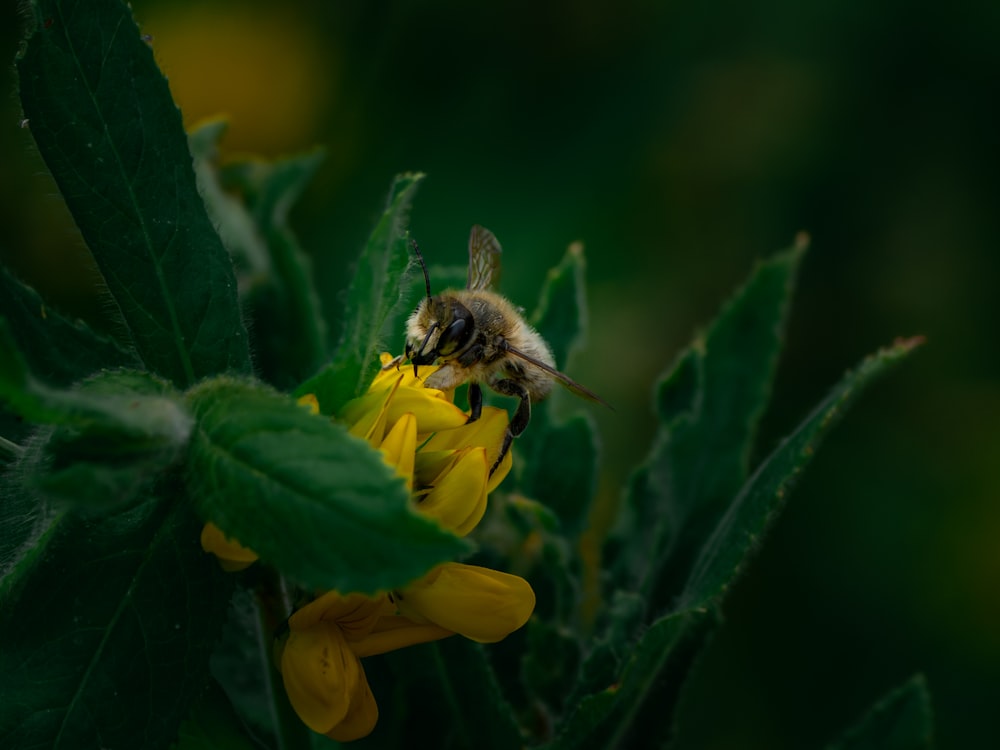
{"points": [[479, 337]]}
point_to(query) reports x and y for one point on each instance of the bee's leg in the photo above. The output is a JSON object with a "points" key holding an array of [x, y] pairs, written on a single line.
{"points": [[466, 359], [471, 356], [394, 362], [475, 402], [521, 415]]}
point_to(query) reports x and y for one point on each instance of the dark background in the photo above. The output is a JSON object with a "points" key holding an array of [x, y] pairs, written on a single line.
{"points": [[679, 142]]}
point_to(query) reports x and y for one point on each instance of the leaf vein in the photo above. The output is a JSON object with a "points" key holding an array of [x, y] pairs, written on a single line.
{"points": [[147, 241], [125, 603]]}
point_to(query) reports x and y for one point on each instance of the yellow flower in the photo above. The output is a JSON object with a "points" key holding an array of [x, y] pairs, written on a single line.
{"points": [[322, 674], [449, 471], [445, 461], [326, 684], [320, 662]]}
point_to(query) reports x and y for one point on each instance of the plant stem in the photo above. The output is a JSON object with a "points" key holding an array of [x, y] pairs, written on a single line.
{"points": [[273, 603]]}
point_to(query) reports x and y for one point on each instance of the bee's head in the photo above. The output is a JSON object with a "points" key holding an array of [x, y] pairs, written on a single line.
{"points": [[440, 328]]}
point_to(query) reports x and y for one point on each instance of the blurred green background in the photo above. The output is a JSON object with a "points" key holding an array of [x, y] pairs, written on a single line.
{"points": [[679, 143]]}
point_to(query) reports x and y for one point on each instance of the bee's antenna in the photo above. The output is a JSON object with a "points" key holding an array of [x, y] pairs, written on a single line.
{"points": [[423, 266]]}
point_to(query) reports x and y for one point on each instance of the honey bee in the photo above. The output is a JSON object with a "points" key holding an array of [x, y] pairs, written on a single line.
{"points": [[478, 337]]}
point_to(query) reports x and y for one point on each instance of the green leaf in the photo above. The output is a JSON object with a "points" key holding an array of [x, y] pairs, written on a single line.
{"points": [[319, 504], [57, 350], [17, 387], [452, 698], [115, 431], [554, 452], [709, 405], [561, 315], [107, 631], [557, 579], [289, 332], [135, 403], [102, 116], [562, 472], [474, 696], [375, 293], [640, 705], [243, 663], [70, 471], [753, 510], [902, 720], [25, 520], [551, 662], [602, 665], [588, 718], [214, 725], [636, 710], [235, 224], [118, 432], [561, 319]]}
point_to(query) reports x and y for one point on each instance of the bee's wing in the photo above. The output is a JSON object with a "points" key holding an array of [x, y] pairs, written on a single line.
{"points": [[563, 379], [484, 259]]}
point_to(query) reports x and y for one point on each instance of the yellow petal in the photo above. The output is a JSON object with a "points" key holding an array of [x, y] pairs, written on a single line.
{"points": [[356, 614], [487, 431], [458, 499], [365, 416], [501, 472], [404, 372], [388, 377], [392, 632], [234, 566], [361, 716], [481, 604], [310, 402], [232, 555], [358, 623], [399, 447], [429, 405], [429, 466], [321, 675]]}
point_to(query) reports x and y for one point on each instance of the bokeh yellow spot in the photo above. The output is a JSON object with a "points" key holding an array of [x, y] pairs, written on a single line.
{"points": [[260, 66]]}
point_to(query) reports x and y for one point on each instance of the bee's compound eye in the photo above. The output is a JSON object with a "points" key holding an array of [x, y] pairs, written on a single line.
{"points": [[453, 337]]}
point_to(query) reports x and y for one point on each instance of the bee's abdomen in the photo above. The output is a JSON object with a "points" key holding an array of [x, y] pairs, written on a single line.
{"points": [[537, 382]]}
